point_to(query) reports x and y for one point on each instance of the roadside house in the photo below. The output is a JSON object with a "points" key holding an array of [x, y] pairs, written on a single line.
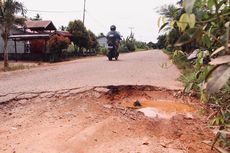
{"points": [[30, 41], [11, 45], [36, 36], [102, 40]]}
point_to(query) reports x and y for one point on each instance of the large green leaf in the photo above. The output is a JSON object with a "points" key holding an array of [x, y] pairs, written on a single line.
{"points": [[164, 25], [221, 60], [172, 24], [183, 22], [218, 79], [192, 20], [188, 5], [206, 40], [159, 21]]}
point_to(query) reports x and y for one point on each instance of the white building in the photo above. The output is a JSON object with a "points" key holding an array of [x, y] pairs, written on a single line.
{"points": [[102, 41]]}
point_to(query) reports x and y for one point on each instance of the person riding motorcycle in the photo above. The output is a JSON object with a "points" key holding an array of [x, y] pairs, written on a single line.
{"points": [[113, 37]]}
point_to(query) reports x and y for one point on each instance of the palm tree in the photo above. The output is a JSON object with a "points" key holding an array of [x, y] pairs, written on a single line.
{"points": [[8, 10]]}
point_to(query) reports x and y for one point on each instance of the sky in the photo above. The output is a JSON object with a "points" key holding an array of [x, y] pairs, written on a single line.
{"points": [[140, 16]]}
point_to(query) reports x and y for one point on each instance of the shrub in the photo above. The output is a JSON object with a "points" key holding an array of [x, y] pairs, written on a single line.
{"points": [[103, 50], [58, 43]]}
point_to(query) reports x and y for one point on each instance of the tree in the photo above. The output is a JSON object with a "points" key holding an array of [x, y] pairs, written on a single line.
{"points": [[57, 43], [37, 18], [63, 28], [80, 34], [92, 43], [152, 45], [8, 9], [161, 41]]}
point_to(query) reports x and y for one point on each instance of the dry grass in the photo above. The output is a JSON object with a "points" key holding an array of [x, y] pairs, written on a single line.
{"points": [[13, 66]]}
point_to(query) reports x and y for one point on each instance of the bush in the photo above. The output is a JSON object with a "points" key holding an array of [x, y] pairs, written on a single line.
{"points": [[103, 50], [123, 48], [56, 44]]}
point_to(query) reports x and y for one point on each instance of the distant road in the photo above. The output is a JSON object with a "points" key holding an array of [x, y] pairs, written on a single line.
{"points": [[139, 68]]}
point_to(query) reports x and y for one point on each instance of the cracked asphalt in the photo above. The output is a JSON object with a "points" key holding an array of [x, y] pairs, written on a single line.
{"points": [[140, 68]]}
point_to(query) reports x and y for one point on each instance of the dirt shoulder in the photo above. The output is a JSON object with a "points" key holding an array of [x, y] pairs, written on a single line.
{"points": [[100, 120]]}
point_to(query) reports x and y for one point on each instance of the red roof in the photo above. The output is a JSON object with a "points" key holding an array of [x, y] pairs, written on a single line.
{"points": [[64, 33], [40, 25]]}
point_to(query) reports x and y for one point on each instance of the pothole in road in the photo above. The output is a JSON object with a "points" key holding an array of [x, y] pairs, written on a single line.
{"points": [[103, 119], [153, 102], [162, 109]]}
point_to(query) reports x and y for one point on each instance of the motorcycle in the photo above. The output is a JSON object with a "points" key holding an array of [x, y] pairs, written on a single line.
{"points": [[112, 52]]}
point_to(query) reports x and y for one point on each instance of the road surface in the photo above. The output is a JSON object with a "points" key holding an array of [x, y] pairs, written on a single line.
{"points": [[100, 120], [139, 68]]}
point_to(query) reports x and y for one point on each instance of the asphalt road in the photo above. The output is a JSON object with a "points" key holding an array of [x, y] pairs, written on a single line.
{"points": [[139, 68]]}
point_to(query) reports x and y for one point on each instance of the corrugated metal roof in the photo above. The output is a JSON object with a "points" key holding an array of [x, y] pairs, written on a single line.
{"points": [[29, 36]]}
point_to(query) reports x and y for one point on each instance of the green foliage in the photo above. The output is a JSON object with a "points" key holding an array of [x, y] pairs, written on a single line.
{"points": [[103, 50], [92, 42], [161, 41], [179, 58], [204, 25], [57, 43], [172, 37], [141, 45], [81, 37], [37, 17], [128, 44], [152, 45], [80, 34], [123, 47]]}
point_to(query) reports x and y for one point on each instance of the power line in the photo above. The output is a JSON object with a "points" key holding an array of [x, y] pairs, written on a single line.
{"points": [[44, 11], [95, 19]]}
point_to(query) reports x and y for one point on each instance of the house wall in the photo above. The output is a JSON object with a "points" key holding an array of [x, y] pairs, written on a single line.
{"points": [[10, 48], [102, 42]]}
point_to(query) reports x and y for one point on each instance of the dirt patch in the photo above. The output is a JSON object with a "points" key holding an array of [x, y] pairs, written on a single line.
{"points": [[98, 120]]}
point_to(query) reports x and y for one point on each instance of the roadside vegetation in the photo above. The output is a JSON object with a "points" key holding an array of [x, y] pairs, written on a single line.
{"points": [[8, 10], [13, 66], [196, 36], [128, 44]]}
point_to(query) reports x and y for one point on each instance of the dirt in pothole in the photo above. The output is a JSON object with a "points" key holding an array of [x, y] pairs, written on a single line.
{"points": [[104, 121]]}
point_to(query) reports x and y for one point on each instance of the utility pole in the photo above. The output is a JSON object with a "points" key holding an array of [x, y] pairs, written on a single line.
{"points": [[131, 28], [84, 10], [131, 34]]}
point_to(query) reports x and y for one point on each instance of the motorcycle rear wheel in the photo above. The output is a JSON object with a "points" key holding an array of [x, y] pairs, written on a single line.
{"points": [[110, 56]]}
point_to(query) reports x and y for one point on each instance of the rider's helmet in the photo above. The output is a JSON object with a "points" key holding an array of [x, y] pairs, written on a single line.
{"points": [[113, 28]]}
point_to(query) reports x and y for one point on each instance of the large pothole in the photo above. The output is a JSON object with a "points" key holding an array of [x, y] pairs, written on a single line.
{"points": [[103, 119]]}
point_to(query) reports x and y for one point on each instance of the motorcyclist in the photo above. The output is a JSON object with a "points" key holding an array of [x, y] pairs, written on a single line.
{"points": [[113, 37]]}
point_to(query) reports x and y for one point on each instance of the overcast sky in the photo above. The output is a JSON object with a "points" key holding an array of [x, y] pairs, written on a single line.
{"points": [[141, 15]]}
